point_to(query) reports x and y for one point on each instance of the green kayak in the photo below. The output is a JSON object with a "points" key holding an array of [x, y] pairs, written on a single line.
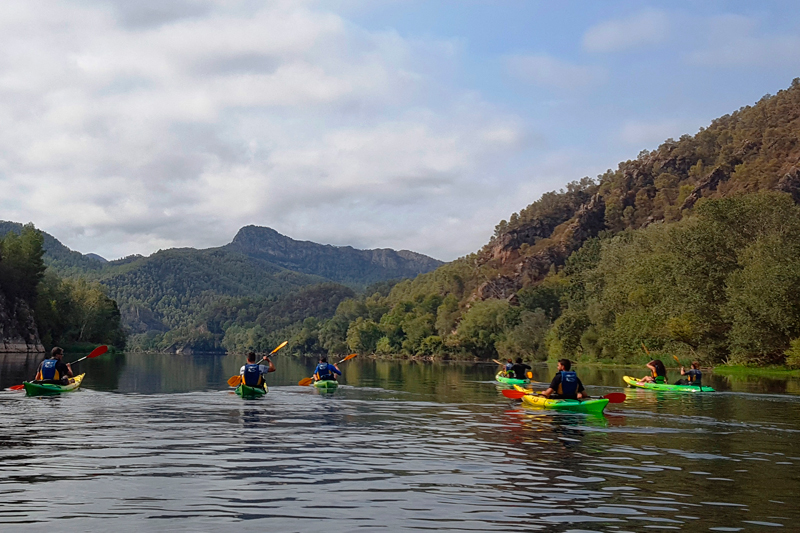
{"points": [[42, 389], [634, 382], [245, 391], [592, 405], [326, 384], [510, 381]]}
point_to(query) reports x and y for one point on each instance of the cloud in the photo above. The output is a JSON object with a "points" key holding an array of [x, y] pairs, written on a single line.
{"points": [[642, 29], [135, 126], [734, 41], [547, 71]]}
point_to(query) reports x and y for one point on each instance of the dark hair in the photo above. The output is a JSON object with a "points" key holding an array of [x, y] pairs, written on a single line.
{"points": [[56, 351], [661, 370], [251, 356], [509, 360], [323, 359], [566, 363], [519, 360]]}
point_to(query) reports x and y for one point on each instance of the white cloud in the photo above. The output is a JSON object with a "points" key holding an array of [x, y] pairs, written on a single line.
{"points": [[128, 129], [547, 71], [642, 29], [733, 41]]}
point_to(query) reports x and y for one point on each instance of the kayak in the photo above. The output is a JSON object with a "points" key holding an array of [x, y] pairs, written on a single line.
{"points": [[592, 405], [634, 382], [326, 384], [510, 381], [246, 391], [40, 389]]}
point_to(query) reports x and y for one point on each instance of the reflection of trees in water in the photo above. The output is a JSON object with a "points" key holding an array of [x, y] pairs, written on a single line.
{"points": [[16, 367]]}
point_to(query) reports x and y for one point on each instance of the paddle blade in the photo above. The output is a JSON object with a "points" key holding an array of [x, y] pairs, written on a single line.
{"points": [[281, 345], [16, 387], [235, 381], [645, 349], [347, 358], [676, 359], [615, 397], [513, 394], [529, 374], [305, 382], [100, 350]]}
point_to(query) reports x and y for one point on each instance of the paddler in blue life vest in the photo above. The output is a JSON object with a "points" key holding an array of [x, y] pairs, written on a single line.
{"points": [[566, 384], [53, 369], [326, 371], [693, 376], [509, 367], [658, 372], [253, 373]]}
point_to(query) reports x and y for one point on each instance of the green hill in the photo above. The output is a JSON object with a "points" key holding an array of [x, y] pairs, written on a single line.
{"points": [[561, 277]]}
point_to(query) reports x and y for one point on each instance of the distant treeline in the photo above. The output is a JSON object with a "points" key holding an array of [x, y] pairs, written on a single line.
{"points": [[66, 312], [721, 285]]}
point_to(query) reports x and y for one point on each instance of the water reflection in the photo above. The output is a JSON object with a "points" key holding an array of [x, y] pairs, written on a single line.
{"points": [[161, 442]]}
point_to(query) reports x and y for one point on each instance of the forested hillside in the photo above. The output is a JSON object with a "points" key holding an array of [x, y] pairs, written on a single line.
{"points": [[185, 300], [689, 248]]}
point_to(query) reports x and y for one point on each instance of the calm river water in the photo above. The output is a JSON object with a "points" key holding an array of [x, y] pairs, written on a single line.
{"points": [[159, 443]]}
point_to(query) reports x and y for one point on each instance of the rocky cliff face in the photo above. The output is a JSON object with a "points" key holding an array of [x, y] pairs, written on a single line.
{"points": [[17, 329]]}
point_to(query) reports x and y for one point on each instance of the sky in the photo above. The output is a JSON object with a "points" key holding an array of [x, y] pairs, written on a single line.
{"points": [[129, 127]]}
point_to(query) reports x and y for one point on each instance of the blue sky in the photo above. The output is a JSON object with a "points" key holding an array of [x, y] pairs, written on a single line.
{"points": [[135, 126]]}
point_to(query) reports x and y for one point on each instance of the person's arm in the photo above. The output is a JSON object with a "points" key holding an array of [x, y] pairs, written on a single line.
{"points": [[553, 386], [241, 371], [581, 390], [548, 392], [335, 369], [271, 367], [69, 370], [683, 372], [651, 367]]}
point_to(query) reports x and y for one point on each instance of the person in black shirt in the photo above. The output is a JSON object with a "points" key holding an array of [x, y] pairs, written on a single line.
{"points": [[693, 376], [566, 383], [53, 369], [520, 369]]}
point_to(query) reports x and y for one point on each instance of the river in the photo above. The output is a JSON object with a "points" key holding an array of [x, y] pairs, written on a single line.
{"points": [[160, 443]]}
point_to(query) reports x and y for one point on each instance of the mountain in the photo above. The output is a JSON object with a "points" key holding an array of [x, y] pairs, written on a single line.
{"points": [[185, 299], [690, 248], [342, 264]]}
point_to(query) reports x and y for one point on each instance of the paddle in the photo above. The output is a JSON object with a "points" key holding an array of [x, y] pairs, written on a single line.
{"points": [[100, 350], [308, 381], [613, 397], [235, 381]]}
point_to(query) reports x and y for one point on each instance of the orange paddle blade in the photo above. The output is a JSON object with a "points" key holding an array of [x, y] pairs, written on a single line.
{"points": [[281, 345], [347, 358], [100, 350], [16, 387], [305, 381], [615, 397], [513, 394], [676, 359], [235, 381], [645, 349], [529, 374]]}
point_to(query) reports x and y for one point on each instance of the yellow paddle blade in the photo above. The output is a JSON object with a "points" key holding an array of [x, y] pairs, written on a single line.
{"points": [[305, 382], [676, 359], [234, 381], [529, 374], [281, 345]]}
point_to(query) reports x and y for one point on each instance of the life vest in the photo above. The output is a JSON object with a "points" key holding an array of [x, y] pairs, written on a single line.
{"points": [[694, 377], [323, 372], [252, 376], [49, 372], [569, 385], [509, 366], [657, 378]]}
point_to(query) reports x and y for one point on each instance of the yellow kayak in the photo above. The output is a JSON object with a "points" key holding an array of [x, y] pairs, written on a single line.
{"points": [[592, 405], [37, 389]]}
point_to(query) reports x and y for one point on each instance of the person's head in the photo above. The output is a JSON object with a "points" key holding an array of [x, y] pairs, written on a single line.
{"points": [[323, 359], [659, 366], [509, 360], [696, 365], [564, 365], [56, 353], [251, 357], [519, 360]]}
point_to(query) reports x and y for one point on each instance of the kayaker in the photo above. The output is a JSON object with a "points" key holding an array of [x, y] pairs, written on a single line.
{"points": [[693, 376], [519, 369], [53, 369], [326, 371], [566, 384], [658, 372], [253, 373]]}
